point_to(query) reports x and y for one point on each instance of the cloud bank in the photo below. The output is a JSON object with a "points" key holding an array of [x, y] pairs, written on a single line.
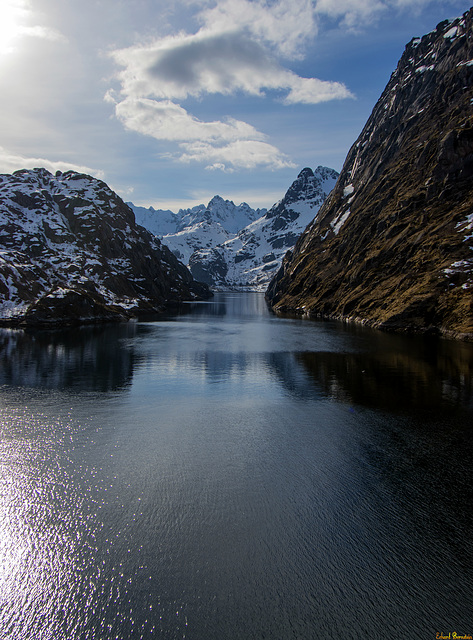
{"points": [[242, 47], [10, 162], [206, 63], [237, 51], [226, 145]]}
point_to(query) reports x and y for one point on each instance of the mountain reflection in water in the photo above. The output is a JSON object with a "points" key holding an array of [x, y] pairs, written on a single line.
{"points": [[92, 358], [396, 380]]}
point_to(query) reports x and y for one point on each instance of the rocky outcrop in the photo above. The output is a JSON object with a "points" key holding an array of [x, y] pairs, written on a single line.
{"points": [[391, 247], [70, 252]]}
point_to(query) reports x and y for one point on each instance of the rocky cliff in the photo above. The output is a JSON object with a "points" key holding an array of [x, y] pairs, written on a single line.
{"points": [[70, 251], [392, 245]]}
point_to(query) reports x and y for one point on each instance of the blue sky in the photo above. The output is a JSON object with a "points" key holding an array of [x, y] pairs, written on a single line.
{"points": [[171, 102]]}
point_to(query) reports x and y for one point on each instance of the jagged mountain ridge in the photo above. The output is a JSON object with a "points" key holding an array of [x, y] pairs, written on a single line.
{"points": [[70, 251], [232, 247], [200, 227], [391, 247], [230, 217]]}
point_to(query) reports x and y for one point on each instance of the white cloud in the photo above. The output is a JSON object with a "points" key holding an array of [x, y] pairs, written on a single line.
{"points": [[45, 33], [10, 162], [182, 66], [240, 154], [235, 52], [193, 65], [165, 120], [220, 145], [314, 91], [284, 24], [357, 14], [351, 12]]}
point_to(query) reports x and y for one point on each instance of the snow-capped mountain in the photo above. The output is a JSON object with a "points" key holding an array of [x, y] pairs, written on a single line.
{"points": [[224, 213], [199, 228], [230, 246], [70, 251], [229, 216], [392, 245]]}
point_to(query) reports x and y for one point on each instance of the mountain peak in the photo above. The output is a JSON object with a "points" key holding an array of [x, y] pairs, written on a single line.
{"points": [[305, 174], [309, 186], [217, 200]]}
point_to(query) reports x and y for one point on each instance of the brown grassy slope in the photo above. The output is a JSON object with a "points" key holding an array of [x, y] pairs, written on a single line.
{"points": [[401, 259]]}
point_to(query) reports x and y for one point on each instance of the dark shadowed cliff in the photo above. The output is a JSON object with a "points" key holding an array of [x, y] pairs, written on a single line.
{"points": [[392, 245]]}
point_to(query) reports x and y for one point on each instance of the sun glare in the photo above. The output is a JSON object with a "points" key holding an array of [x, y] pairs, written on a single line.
{"points": [[11, 13]]}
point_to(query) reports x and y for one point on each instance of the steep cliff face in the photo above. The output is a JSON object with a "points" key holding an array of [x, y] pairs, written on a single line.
{"points": [[70, 251], [392, 245]]}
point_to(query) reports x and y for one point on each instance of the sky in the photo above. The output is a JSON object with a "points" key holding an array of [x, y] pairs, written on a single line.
{"points": [[171, 102]]}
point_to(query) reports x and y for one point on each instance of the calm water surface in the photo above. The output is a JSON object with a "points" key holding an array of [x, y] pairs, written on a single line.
{"points": [[223, 474]]}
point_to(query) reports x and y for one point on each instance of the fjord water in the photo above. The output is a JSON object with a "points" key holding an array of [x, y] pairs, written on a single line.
{"points": [[224, 474]]}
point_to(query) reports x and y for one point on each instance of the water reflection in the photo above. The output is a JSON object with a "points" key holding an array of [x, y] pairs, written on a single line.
{"points": [[87, 358], [396, 380], [233, 336], [230, 305], [223, 473]]}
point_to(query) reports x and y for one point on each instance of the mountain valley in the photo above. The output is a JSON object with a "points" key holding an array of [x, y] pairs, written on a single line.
{"points": [[237, 247]]}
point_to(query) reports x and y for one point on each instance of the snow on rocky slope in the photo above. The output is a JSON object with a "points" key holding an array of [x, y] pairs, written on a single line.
{"points": [[70, 251], [231, 247]]}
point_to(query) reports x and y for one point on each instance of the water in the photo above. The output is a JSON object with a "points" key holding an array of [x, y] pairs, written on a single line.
{"points": [[223, 474]]}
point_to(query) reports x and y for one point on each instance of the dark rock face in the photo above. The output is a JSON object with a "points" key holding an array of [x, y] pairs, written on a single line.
{"points": [[67, 306], [208, 266], [391, 245], [70, 251]]}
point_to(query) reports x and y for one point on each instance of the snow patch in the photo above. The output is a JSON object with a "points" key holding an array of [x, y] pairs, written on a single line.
{"points": [[451, 33], [339, 221], [466, 225], [423, 68]]}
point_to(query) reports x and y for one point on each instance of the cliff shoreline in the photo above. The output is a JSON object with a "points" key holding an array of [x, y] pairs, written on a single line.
{"points": [[391, 246]]}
